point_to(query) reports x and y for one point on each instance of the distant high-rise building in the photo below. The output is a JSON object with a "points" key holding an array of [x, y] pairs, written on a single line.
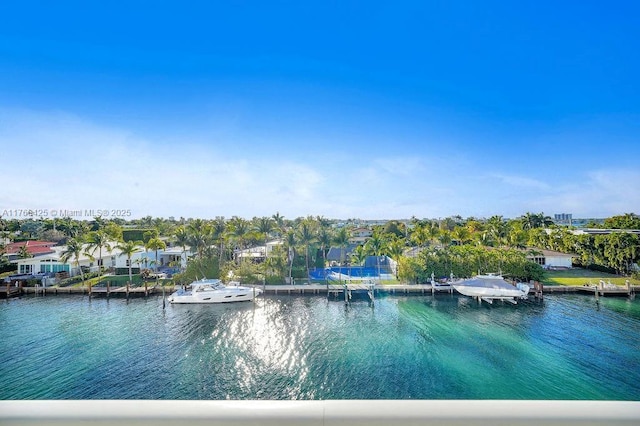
{"points": [[563, 218]]}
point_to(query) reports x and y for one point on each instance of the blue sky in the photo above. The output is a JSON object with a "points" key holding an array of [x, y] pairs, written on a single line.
{"points": [[374, 110]]}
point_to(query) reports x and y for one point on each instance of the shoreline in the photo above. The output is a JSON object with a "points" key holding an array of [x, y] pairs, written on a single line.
{"points": [[300, 289]]}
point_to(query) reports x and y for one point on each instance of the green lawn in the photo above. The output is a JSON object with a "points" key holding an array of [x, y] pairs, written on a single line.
{"points": [[579, 277]]}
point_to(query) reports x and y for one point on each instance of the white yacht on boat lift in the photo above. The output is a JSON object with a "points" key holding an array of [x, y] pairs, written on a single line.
{"points": [[437, 286], [214, 291], [490, 286]]}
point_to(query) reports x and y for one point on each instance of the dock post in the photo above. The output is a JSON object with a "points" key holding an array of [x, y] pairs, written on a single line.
{"points": [[146, 291], [372, 295], [108, 288], [127, 290]]}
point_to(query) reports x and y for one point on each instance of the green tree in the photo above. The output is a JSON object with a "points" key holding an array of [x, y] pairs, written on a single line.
{"points": [[199, 232], [625, 221], [23, 253], [306, 237], [358, 256], [342, 240], [97, 241], [279, 223], [73, 250], [324, 239], [264, 227], [395, 250], [181, 239], [156, 244], [219, 237], [497, 230], [461, 234], [129, 248], [291, 242], [238, 230], [376, 246]]}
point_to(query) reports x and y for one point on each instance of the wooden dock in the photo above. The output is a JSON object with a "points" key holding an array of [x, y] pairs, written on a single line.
{"points": [[122, 291], [336, 291], [9, 290]]}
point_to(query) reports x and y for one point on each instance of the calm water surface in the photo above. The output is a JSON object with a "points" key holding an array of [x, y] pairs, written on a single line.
{"points": [[443, 347]]}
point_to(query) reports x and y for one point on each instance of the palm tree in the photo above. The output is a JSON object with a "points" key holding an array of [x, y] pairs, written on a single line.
{"points": [[358, 255], [156, 244], [291, 251], [264, 227], [342, 240], [97, 241], [128, 248], [218, 236], [278, 219], [419, 236], [461, 234], [324, 238], [182, 240], [306, 236], [395, 248], [73, 249], [497, 229], [375, 246], [445, 238], [199, 232], [432, 231], [517, 236], [239, 228], [23, 253], [146, 237]]}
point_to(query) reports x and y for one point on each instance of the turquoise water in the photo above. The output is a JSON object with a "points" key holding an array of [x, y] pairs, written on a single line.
{"points": [[442, 347]]}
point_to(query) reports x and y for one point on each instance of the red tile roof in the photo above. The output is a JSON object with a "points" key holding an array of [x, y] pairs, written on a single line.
{"points": [[33, 247]]}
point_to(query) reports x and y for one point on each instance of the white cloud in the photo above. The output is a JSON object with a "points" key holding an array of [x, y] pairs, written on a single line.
{"points": [[67, 163], [521, 181], [56, 160]]}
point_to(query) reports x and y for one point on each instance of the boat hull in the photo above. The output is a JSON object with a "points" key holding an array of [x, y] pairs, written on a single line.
{"points": [[214, 299], [486, 292], [200, 293], [491, 287]]}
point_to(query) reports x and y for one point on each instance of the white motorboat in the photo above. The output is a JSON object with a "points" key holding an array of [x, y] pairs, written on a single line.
{"points": [[490, 286], [214, 291], [437, 286]]}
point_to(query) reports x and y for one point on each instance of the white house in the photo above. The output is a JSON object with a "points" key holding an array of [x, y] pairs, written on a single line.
{"points": [[52, 262], [259, 252], [550, 258], [360, 235]]}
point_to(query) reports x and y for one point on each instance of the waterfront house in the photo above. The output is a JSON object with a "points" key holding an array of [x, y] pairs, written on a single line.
{"points": [[549, 258], [52, 262], [112, 260], [33, 248]]}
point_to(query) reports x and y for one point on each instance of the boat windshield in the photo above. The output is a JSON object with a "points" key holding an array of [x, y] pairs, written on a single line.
{"points": [[206, 287]]}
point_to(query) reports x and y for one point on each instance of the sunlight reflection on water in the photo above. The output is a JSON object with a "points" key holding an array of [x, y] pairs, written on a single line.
{"points": [[442, 347]]}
